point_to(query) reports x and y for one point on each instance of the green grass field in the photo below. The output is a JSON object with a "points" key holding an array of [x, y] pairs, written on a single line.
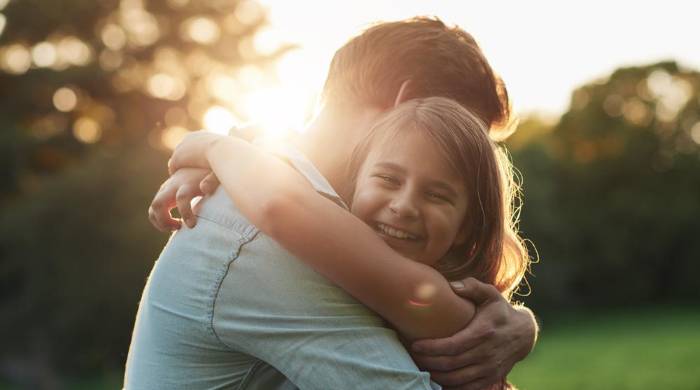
{"points": [[651, 349]]}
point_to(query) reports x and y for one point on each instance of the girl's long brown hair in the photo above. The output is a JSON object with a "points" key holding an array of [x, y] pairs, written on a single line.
{"points": [[493, 251]]}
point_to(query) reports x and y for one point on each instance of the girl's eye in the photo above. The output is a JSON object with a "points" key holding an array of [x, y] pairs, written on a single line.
{"points": [[437, 197], [388, 179]]}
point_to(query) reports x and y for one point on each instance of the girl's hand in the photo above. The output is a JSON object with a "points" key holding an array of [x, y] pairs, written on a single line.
{"points": [[192, 151], [177, 192]]}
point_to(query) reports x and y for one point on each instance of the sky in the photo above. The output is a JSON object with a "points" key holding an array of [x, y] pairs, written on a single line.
{"points": [[542, 49]]}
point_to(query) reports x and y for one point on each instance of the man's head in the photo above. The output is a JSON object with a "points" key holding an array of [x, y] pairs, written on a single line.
{"points": [[428, 58]]}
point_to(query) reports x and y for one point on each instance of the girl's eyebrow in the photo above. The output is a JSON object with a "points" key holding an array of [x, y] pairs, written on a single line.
{"points": [[390, 165]]}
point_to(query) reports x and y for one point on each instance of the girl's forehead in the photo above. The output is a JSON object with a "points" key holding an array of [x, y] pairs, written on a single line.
{"points": [[414, 147], [399, 140], [405, 142]]}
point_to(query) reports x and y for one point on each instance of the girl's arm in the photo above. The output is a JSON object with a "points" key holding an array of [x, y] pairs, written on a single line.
{"points": [[413, 297]]}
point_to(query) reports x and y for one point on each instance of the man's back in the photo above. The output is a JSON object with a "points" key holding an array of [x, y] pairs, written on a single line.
{"points": [[224, 299]]}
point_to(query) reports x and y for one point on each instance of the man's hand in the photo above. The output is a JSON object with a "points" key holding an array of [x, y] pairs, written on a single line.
{"points": [[178, 191], [485, 351]]}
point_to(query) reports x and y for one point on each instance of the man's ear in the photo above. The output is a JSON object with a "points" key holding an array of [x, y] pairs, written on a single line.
{"points": [[402, 95]]}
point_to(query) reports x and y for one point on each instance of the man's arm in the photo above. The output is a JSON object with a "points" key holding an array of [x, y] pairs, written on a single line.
{"points": [[484, 352]]}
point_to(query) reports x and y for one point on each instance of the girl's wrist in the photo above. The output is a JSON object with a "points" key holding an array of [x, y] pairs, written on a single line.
{"points": [[213, 145]]}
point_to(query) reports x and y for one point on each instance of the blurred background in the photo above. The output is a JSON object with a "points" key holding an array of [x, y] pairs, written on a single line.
{"points": [[95, 93]]}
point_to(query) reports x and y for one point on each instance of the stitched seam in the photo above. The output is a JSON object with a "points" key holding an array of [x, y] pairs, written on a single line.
{"points": [[241, 243], [243, 228], [249, 375]]}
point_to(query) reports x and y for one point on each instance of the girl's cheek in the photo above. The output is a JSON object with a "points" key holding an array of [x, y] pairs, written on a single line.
{"points": [[366, 199], [448, 220]]}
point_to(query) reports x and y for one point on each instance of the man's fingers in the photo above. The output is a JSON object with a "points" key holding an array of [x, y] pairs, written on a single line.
{"points": [[183, 198], [460, 342], [475, 290], [209, 184], [465, 376], [445, 363]]}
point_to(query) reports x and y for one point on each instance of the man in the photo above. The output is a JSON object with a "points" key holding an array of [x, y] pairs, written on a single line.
{"points": [[224, 302]]}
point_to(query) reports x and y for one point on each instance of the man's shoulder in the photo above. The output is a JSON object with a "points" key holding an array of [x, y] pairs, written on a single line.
{"points": [[307, 169]]}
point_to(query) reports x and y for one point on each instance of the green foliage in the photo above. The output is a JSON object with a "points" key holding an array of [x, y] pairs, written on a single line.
{"points": [[75, 242], [78, 253], [612, 190]]}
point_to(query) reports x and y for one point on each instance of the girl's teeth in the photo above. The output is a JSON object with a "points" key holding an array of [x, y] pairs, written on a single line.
{"points": [[390, 231]]}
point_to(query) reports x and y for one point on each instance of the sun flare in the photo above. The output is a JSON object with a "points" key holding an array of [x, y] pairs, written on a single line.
{"points": [[219, 120]]}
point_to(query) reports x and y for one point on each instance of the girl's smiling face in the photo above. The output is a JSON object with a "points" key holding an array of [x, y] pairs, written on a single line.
{"points": [[408, 192]]}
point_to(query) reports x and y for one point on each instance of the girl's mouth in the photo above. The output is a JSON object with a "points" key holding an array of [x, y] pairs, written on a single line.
{"points": [[393, 232]]}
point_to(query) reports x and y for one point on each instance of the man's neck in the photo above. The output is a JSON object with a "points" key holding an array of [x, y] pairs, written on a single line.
{"points": [[329, 141]]}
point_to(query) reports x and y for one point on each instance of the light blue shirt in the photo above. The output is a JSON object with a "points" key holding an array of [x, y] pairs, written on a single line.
{"points": [[226, 307]]}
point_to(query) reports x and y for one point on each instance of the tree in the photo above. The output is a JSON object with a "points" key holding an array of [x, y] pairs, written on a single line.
{"points": [[611, 192], [93, 94]]}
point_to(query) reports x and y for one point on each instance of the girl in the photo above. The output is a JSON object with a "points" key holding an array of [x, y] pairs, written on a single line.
{"points": [[428, 181]]}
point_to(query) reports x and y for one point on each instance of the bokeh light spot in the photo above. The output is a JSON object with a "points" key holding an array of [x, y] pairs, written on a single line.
{"points": [[165, 86], [201, 30], [612, 105], [266, 41], [671, 93], [65, 99], [424, 295], [425, 291], [141, 27], [173, 135], [44, 54], [636, 112], [3, 22], [219, 120], [223, 87], [113, 36], [87, 130], [248, 12], [695, 133], [16, 59], [74, 51]]}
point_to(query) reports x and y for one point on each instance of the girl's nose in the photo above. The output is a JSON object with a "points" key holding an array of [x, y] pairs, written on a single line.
{"points": [[404, 205]]}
